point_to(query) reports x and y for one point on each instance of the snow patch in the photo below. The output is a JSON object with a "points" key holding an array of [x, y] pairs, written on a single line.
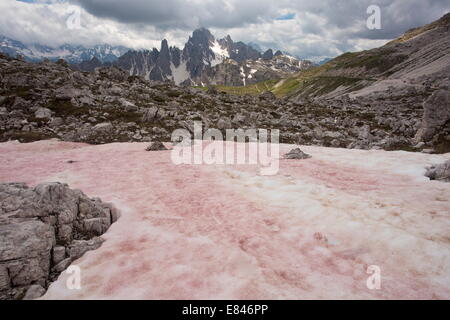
{"points": [[243, 75], [220, 53], [225, 232], [179, 73]]}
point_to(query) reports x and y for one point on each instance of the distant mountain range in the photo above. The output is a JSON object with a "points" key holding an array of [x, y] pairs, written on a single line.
{"points": [[72, 54], [204, 60]]}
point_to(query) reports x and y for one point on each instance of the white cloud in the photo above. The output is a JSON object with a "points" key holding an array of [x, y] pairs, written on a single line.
{"points": [[318, 29]]}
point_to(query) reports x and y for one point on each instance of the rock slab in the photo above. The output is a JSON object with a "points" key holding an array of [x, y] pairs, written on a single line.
{"points": [[42, 230]]}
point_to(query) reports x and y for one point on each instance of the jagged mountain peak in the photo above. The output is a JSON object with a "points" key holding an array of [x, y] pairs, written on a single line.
{"points": [[164, 46], [206, 59], [268, 54], [278, 53], [201, 36]]}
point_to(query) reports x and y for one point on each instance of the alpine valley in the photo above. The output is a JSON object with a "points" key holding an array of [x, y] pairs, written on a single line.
{"points": [[360, 190]]}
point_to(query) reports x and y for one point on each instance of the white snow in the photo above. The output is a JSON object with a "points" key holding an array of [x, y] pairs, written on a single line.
{"points": [[243, 75], [226, 232], [179, 74], [219, 53]]}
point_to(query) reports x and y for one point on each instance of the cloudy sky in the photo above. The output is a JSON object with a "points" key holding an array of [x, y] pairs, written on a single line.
{"points": [[308, 29]]}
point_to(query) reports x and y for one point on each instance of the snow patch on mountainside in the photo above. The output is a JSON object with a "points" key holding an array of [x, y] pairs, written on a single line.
{"points": [[72, 54], [243, 75], [179, 74], [219, 53]]}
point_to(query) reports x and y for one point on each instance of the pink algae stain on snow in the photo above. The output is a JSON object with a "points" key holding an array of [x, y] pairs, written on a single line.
{"points": [[342, 177], [185, 233]]}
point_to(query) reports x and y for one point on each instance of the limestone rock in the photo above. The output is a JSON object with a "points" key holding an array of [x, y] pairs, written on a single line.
{"points": [[38, 227], [103, 127], [5, 281], [34, 292], [151, 114], [156, 146], [59, 254], [267, 96], [63, 265], [296, 154], [440, 172], [436, 115], [43, 113], [79, 247]]}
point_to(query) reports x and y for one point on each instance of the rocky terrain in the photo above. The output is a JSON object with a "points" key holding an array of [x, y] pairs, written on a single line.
{"points": [[42, 231], [397, 84], [406, 75], [415, 64], [270, 66], [50, 100]]}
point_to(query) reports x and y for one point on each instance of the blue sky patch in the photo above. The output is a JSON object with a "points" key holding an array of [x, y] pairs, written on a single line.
{"points": [[287, 16]]}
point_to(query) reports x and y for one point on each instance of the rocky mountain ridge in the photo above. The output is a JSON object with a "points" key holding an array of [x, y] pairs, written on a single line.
{"points": [[73, 54], [205, 60], [407, 75]]}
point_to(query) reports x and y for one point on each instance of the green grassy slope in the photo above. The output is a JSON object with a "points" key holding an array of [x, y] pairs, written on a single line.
{"points": [[350, 71]]}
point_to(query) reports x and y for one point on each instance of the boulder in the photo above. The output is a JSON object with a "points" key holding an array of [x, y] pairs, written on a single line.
{"points": [[79, 247], [103, 127], [66, 93], [212, 90], [224, 123], [268, 95], [43, 113], [440, 172], [436, 115], [59, 254], [63, 265], [34, 292], [156, 146], [150, 115], [296, 154]]}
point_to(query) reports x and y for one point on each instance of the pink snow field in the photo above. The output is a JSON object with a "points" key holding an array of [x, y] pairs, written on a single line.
{"points": [[344, 224]]}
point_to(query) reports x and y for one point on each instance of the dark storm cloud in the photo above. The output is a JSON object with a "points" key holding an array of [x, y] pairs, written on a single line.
{"points": [[302, 27], [169, 14], [340, 15]]}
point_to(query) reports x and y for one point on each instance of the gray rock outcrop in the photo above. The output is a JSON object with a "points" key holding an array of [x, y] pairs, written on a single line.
{"points": [[436, 116], [268, 55], [42, 230], [296, 154], [440, 172], [156, 146]]}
